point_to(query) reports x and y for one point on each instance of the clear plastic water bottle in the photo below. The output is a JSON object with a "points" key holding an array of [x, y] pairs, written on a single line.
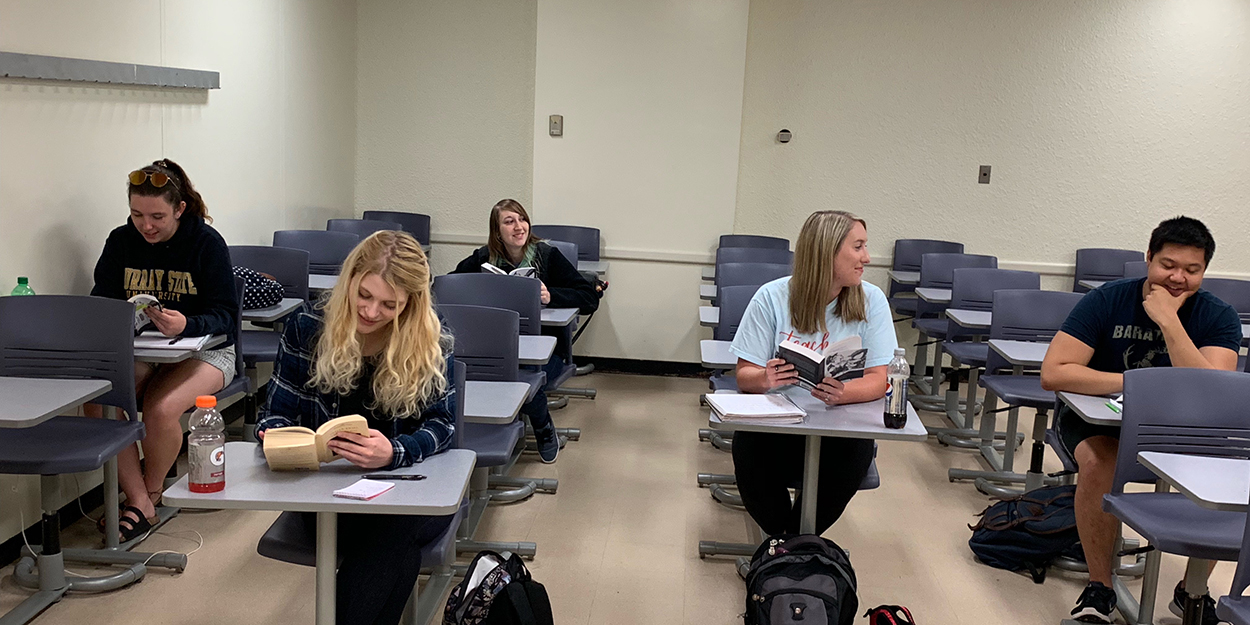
{"points": [[206, 447], [896, 393], [23, 287]]}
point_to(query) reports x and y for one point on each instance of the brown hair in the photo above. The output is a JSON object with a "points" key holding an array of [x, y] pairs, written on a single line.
{"points": [[819, 241], [177, 191], [494, 242]]}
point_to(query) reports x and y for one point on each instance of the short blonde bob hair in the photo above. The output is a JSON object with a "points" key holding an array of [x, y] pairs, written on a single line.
{"points": [[819, 241], [410, 373]]}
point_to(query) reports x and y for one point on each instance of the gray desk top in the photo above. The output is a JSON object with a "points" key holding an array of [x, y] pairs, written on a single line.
{"points": [[934, 296], [27, 402], [904, 277], [716, 355], [846, 421], [250, 485], [600, 267], [1091, 284], [1245, 331], [170, 356], [707, 291], [971, 319], [709, 316], [1210, 482], [275, 312], [1091, 408], [319, 282], [495, 403], [535, 350], [1020, 353], [558, 316], [709, 273]]}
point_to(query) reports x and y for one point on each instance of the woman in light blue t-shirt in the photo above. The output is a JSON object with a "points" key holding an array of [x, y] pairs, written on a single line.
{"points": [[823, 302]]}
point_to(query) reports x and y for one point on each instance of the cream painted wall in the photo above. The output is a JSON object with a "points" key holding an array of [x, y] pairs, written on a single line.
{"points": [[445, 95], [273, 148], [651, 94], [1099, 119]]}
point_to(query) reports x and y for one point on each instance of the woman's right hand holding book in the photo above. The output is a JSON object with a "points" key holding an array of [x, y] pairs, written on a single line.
{"points": [[778, 372]]}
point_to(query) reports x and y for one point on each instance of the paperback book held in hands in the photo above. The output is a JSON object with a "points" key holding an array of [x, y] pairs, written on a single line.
{"points": [[301, 449], [843, 360], [524, 272], [142, 303]]}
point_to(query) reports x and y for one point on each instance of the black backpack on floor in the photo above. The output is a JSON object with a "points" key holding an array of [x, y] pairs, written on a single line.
{"points": [[498, 591], [1027, 532], [800, 579]]}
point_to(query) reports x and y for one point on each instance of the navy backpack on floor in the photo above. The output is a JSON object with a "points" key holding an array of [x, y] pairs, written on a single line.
{"points": [[1027, 532]]}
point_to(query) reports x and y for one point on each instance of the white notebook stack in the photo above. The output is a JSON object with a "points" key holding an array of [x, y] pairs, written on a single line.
{"points": [[755, 408], [155, 340]]}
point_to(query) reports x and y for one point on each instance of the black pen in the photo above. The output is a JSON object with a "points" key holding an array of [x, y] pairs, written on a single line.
{"points": [[412, 477]]}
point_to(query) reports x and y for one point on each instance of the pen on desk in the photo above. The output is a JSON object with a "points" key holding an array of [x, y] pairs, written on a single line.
{"points": [[1114, 408], [175, 340], [383, 476]]}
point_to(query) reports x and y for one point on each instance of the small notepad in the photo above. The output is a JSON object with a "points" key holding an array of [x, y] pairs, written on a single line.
{"points": [[364, 489]]}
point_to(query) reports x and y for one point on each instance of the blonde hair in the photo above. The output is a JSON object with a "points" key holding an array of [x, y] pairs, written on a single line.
{"points": [[410, 374], [819, 241]]}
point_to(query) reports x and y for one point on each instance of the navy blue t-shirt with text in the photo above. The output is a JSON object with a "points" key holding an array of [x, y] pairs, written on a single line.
{"points": [[1112, 320]]}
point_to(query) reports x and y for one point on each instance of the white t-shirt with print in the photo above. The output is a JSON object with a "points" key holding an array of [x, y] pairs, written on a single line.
{"points": [[766, 323]]}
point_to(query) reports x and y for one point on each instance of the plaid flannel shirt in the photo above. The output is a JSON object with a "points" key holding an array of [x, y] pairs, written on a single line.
{"points": [[291, 402]]}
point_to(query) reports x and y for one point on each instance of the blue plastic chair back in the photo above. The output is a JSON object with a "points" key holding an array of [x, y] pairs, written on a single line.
{"points": [[733, 303], [753, 240], [770, 255], [71, 336], [972, 288], [522, 295], [361, 227], [485, 340], [586, 238], [1235, 293], [568, 250], [937, 271], [1183, 411], [1027, 315], [1101, 264], [287, 265], [753, 274], [416, 224], [326, 250], [907, 253], [1135, 269]]}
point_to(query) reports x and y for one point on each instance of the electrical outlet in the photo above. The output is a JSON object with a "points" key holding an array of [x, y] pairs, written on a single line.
{"points": [[984, 176], [555, 125]]}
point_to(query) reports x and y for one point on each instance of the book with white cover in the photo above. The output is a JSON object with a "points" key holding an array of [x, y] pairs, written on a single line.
{"points": [[843, 360], [155, 340], [755, 408], [524, 272]]}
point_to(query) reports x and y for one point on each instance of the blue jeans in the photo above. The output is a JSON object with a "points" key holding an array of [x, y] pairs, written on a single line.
{"points": [[536, 409]]}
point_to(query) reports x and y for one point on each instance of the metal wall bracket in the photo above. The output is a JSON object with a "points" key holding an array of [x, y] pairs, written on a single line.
{"points": [[36, 66]]}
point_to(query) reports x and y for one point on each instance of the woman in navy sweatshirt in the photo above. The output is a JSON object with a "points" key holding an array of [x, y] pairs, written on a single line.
{"points": [[167, 249]]}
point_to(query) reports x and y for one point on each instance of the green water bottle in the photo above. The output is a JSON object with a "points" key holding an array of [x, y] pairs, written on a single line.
{"points": [[23, 287]]}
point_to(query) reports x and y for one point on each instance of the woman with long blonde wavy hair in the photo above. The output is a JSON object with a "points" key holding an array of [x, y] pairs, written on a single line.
{"points": [[375, 348], [825, 301]]}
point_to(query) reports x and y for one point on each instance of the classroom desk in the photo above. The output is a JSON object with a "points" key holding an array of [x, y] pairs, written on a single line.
{"points": [[1091, 408], [904, 277], [535, 350], [273, 313], [1211, 482], [492, 402], [716, 355], [709, 316], [250, 485], [970, 319], [321, 282], [934, 296], [709, 273], [599, 267], [1245, 334], [558, 317], [708, 292], [846, 421], [170, 356], [27, 402], [1091, 284], [1020, 353]]}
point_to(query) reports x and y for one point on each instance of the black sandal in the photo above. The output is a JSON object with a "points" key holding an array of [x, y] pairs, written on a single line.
{"points": [[130, 528]]}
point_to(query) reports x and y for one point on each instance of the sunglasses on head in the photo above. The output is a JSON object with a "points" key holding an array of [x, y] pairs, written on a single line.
{"points": [[159, 179]]}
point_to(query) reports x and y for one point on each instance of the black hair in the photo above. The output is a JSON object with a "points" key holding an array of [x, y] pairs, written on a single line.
{"points": [[1185, 231], [179, 190]]}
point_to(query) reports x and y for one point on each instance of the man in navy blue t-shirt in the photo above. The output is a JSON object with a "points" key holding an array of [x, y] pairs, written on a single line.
{"points": [[1158, 321]]}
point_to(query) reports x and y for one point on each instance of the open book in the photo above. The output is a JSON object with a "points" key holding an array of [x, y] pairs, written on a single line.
{"points": [[524, 272], [301, 449], [755, 408], [843, 360], [142, 303]]}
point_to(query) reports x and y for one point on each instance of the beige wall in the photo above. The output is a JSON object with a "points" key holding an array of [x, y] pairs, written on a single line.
{"points": [[273, 148]]}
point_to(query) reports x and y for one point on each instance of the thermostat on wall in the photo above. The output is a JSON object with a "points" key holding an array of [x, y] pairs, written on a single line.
{"points": [[555, 125]]}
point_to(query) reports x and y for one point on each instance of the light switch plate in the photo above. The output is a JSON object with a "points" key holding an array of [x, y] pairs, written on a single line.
{"points": [[555, 125], [984, 176]]}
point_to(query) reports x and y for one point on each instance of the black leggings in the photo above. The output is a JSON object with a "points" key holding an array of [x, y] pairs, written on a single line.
{"points": [[765, 465], [380, 558]]}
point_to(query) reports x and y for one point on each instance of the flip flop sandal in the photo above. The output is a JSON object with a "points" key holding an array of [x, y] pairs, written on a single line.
{"points": [[130, 528]]}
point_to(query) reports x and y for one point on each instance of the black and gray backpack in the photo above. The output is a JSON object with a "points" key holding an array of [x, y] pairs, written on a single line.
{"points": [[498, 590], [803, 580]]}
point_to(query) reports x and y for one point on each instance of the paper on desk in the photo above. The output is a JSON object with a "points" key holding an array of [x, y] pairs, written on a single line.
{"points": [[755, 408], [364, 490], [156, 340]]}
